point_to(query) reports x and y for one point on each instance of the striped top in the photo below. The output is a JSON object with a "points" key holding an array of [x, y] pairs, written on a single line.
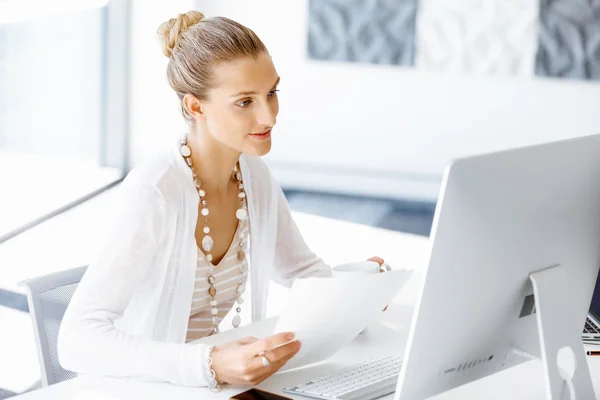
{"points": [[227, 274]]}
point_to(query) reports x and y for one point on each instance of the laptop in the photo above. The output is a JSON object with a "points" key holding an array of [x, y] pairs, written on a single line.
{"points": [[591, 330]]}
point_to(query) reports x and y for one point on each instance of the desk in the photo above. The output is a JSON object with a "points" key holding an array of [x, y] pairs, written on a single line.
{"points": [[387, 336]]}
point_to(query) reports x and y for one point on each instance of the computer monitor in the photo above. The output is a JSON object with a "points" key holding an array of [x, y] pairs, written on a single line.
{"points": [[514, 257]]}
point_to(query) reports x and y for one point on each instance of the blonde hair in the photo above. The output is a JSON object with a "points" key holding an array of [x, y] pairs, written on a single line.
{"points": [[195, 45]]}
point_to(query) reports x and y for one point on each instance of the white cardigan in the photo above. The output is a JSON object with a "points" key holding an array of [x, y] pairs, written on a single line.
{"points": [[129, 314]]}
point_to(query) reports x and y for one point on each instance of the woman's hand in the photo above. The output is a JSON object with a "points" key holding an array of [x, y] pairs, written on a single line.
{"points": [[379, 261], [240, 363]]}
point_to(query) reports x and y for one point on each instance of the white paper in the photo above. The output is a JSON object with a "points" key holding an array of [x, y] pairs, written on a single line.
{"points": [[328, 313]]}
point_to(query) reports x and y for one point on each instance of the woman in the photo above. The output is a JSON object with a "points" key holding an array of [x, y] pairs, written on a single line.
{"points": [[191, 224]]}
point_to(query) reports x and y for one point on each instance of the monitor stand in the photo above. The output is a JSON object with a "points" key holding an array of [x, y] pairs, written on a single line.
{"points": [[560, 343]]}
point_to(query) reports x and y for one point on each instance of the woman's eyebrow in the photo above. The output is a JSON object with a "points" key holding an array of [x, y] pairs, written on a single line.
{"points": [[253, 92]]}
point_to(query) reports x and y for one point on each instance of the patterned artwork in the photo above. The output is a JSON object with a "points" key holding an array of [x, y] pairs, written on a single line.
{"points": [[376, 31], [551, 38], [569, 39], [477, 36]]}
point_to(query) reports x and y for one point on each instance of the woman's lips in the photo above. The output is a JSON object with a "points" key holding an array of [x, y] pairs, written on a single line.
{"points": [[262, 136]]}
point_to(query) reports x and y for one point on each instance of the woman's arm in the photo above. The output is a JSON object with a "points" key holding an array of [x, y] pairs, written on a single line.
{"points": [[293, 258], [88, 341]]}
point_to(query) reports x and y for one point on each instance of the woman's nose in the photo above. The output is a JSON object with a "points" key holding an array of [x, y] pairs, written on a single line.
{"points": [[267, 115]]}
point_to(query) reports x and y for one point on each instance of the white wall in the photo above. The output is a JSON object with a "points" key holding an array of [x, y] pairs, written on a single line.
{"points": [[388, 130], [155, 119]]}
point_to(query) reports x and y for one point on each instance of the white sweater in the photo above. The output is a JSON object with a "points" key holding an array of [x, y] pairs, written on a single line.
{"points": [[129, 314]]}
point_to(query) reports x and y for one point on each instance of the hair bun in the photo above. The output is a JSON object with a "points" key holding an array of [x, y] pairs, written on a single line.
{"points": [[169, 32]]}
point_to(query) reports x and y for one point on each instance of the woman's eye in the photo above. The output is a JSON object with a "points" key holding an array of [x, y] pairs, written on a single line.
{"points": [[246, 103]]}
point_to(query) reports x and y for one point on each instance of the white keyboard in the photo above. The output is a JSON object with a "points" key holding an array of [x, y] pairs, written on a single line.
{"points": [[368, 381]]}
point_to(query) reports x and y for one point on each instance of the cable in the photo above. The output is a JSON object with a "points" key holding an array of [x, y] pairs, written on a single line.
{"points": [[562, 373], [570, 385]]}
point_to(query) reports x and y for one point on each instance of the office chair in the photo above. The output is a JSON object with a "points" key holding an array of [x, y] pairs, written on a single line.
{"points": [[48, 297]]}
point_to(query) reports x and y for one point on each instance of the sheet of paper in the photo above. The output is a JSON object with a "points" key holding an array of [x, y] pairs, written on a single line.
{"points": [[328, 313]]}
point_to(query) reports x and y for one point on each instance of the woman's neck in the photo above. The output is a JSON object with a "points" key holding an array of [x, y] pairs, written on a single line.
{"points": [[213, 162]]}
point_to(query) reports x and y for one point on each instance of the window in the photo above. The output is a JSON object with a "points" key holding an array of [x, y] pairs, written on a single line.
{"points": [[63, 105]]}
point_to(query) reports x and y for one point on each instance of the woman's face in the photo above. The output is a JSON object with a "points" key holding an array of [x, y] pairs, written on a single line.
{"points": [[242, 108]]}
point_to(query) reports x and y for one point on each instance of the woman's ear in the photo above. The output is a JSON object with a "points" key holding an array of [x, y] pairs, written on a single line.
{"points": [[193, 106]]}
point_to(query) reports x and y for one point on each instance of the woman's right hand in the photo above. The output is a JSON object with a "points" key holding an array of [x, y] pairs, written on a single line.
{"points": [[240, 362]]}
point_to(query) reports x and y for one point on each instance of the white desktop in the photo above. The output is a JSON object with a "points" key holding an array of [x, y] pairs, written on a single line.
{"points": [[513, 264]]}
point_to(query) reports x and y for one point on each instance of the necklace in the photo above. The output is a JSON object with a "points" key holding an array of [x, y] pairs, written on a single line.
{"points": [[208, 242]]}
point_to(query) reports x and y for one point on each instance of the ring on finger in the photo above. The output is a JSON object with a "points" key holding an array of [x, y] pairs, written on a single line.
{"points": [[265, 360]]}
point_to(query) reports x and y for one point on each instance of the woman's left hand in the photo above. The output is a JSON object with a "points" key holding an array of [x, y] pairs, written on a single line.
{"points": [[379, 261]]}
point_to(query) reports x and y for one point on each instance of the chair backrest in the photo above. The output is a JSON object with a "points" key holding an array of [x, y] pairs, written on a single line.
{"points": [[48, 297]]}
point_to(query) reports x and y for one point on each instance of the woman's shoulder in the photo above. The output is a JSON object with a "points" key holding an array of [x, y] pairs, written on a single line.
{"points": [[159, 172], [263, 182], [258, 168]]}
